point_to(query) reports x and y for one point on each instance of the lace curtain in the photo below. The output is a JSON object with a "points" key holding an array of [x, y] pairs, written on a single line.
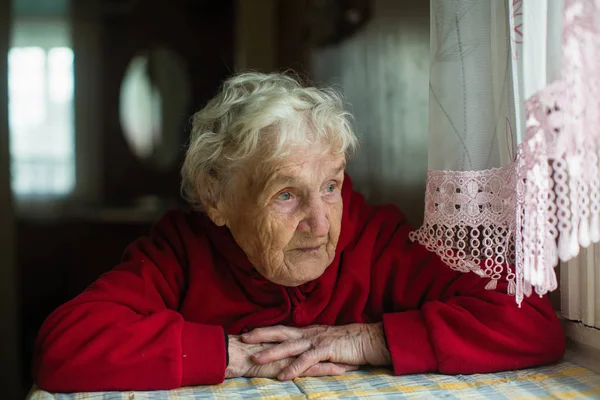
{"points": [[513, 181]]}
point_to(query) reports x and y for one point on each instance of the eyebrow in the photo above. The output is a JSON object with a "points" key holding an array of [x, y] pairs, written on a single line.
{"points": [[339, 169], [282, 180], [289, 179]]}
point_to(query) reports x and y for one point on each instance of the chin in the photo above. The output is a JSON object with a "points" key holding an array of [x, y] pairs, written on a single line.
{"points": [[296, 269], [305, 278], [298, 280], [297, 283]]}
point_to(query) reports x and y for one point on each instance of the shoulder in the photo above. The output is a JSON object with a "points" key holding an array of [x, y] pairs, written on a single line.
{"points": [[372, 225], [359, 214], [174, 232], [179, 223], [171, 225]]}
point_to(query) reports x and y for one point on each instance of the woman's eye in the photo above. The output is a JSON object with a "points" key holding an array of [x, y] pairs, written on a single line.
{"points": [[284, 196], [331, 187]]}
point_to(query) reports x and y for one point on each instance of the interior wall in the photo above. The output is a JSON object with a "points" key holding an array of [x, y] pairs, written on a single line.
{"points": [[9, 361], [270, 35], [255, 27], [384, 72], [86, 41]]}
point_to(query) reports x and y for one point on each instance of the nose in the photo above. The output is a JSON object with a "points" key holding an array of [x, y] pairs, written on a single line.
{"points": [[315, 221]]}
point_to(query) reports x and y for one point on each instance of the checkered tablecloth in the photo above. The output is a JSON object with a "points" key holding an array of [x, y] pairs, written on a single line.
{"points": [[560, 381]]}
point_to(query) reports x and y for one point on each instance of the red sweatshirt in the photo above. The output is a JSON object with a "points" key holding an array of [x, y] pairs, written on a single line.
{"points": [[156, 321]]}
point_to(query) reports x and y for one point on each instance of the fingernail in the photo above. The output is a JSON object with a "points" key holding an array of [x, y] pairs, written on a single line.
{"points": [[245, 336], [282, 377], [257, 356]]}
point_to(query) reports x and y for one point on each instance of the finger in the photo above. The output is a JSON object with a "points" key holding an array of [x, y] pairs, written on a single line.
{"points": [[268, 370], [324, 369], [286, 349], [272, 334], [348, 367], [301, 364]]}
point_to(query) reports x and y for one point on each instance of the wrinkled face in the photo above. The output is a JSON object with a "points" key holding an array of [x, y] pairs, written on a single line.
{"points": [[288, 214]]}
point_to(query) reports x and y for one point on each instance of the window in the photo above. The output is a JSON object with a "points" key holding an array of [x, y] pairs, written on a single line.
{"points": [[41, 86]]}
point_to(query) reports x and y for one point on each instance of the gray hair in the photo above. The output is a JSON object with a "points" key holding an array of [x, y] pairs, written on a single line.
{"points": [[227, 132]]}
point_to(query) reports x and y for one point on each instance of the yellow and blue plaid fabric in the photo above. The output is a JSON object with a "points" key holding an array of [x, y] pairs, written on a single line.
{"points": [[561, 381]]}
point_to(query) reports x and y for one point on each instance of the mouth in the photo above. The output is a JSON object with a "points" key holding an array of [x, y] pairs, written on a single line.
{"points": [[309, 249]]}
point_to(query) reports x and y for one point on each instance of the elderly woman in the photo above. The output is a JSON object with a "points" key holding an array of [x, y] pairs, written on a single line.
{"points": [[281, 271]]}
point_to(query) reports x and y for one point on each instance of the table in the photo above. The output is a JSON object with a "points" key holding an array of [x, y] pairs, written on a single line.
{"points": [[560, 381]]}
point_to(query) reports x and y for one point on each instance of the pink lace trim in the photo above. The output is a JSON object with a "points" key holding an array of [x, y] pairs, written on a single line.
{"points": [[558, 201], [469, 219], [546, 204]]}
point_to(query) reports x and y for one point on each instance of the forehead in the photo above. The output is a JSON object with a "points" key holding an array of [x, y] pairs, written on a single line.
{"points": [[300, 163]]}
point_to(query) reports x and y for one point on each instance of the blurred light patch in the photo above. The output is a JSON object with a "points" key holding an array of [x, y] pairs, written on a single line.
{"points": [[41, 122]]}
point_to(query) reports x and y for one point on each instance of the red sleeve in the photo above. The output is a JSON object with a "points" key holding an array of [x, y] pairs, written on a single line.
{"points": [[436, 319], [124, 331]]}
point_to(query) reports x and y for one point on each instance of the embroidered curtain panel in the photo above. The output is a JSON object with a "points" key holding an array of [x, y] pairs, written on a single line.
{"points": [[514, 181]]}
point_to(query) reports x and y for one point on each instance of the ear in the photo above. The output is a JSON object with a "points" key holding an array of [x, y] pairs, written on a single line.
{"points": [[213, 203], [216, 212]]}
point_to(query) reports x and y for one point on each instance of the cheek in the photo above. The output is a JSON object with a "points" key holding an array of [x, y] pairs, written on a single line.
{"points": [[245, 233], [288, 228], [285, 208], [335, 218], [276, 232]]}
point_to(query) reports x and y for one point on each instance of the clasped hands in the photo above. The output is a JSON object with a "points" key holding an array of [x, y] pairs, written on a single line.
{"points": [[287, 353]]}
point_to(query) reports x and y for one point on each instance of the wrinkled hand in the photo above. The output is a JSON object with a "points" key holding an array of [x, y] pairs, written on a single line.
{"points": [[241, 363], [355, 344]]}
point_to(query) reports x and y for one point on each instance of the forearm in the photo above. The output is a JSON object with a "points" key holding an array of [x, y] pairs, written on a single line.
{"points": [[474, 334], [488, 332], [100, 346]]}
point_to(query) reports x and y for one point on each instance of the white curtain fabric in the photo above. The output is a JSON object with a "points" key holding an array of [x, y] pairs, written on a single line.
{"points": [[470, 92], [499, 154], [474, 125]]}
